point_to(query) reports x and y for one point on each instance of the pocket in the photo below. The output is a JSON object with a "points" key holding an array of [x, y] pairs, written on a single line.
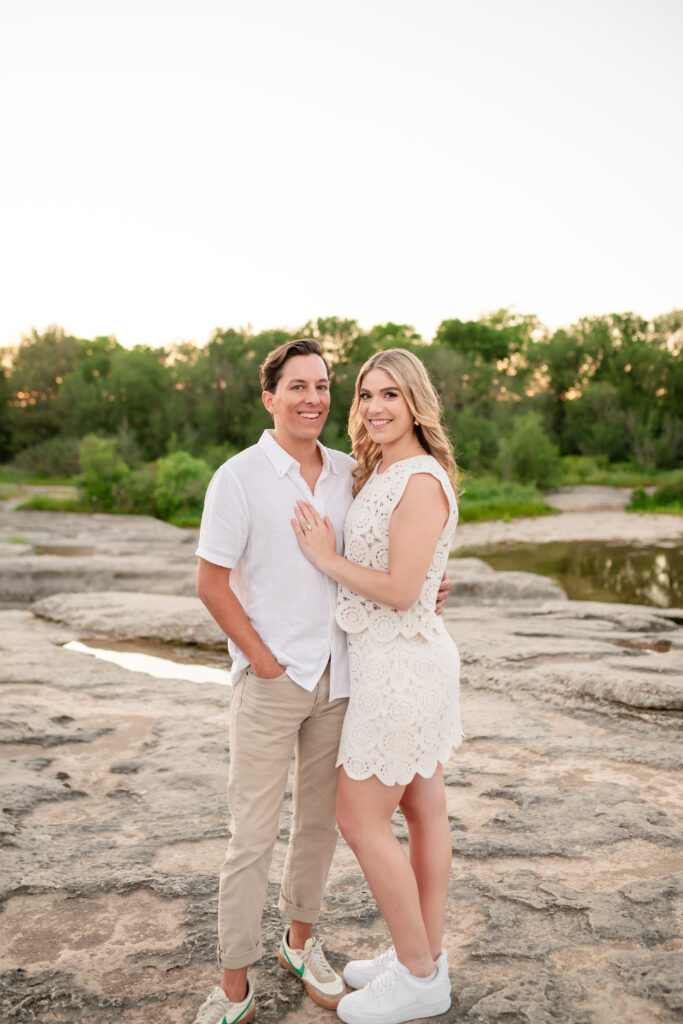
{"points": [[265, 680]]}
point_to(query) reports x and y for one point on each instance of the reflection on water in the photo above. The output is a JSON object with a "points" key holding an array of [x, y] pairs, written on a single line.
{"points": [[162, 668], [598, 571]]}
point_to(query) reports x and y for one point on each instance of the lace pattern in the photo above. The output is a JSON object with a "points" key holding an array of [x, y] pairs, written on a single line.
{"points": [[366, 542], [403, 715]]}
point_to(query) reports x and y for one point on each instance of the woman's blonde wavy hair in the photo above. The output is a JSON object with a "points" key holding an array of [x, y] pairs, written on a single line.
{"points": [[412, 380]]}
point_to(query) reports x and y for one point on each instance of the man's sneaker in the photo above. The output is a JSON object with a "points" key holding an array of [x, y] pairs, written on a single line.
{"points": [[359, 973], [323, 984], [396, 996], [219, 1010]]}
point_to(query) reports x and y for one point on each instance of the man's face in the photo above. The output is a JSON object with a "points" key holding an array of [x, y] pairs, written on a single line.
{"points": [[301, 400]]}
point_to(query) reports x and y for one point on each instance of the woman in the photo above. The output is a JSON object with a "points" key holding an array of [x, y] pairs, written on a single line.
{"points": [[403, 716]]}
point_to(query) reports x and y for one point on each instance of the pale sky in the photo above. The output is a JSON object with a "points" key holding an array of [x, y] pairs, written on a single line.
{"points": [[169, 167]]}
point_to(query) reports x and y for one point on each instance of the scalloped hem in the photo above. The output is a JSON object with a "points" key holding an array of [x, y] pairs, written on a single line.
{"points": [[422, 631], [424, 767]]}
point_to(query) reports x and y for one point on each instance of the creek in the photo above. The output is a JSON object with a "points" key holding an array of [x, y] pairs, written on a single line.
{"points": [[625, 573]]}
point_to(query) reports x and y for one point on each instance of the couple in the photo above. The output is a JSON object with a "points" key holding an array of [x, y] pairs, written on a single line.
{"points": [[307, 632]]}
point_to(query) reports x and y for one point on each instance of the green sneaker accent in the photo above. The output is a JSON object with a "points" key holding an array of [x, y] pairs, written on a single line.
{"points": [[247, 1007], [297, 970]]}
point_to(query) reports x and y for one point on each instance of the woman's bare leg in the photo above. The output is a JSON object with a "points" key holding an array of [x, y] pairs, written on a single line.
{"points": [[364, 810], [424, 806]]}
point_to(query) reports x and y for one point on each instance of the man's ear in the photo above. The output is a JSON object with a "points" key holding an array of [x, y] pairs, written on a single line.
{"points": [[267, 399]]}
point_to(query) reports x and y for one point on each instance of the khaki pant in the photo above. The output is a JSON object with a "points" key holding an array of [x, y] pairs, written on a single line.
{"points": [[269, 720]]}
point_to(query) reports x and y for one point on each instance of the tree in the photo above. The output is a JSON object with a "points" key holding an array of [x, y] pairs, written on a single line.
{"points": [[477, 339], [595, 423], [38, 367]]}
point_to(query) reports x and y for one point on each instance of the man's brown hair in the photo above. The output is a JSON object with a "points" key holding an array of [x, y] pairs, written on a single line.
{"points": [[272, 366]]}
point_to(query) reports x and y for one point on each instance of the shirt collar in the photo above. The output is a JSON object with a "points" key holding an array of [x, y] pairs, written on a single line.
{"points": [[282, 461]]}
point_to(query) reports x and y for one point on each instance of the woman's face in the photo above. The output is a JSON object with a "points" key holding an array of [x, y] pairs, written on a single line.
{"points": [[383, 409]]}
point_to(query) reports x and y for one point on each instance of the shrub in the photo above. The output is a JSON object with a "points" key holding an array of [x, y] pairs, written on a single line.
{"points": [[667, 498], [529, 455], [669, 494], [137, 492], [181, 483], [56, 457], [103, 472]]}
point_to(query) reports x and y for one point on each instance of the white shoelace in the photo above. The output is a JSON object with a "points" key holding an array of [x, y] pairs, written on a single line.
{"points": [[314, 958], [386, 958], [387, 979]]}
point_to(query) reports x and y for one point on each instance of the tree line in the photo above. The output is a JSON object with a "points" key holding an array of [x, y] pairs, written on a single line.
{"points": [[516, 395]]}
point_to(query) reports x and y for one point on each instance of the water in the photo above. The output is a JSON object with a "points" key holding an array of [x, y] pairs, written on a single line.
{"points": [[597, 570], [132, 658]]}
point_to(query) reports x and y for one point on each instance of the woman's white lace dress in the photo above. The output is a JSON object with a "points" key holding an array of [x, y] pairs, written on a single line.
{"points": [[403, 714]]}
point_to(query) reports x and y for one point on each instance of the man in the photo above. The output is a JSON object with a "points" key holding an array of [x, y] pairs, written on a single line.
{"points": [[289, 676]]}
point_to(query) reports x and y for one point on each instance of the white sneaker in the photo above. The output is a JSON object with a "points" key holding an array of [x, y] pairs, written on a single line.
{"points": [[359, 973], [219, 1010], [396, 996], [322, 982]]}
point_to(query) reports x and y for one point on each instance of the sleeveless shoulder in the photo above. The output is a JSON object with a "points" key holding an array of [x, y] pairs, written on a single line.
{"points": [[366, 540]]}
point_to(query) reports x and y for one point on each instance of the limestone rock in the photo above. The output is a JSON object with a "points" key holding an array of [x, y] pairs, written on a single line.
{"points": [[70, 552], [121, 614], [566, 892], [475, 582]]}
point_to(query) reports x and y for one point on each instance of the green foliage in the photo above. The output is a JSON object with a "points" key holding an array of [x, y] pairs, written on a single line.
{"points": [[667, 498], [594, 423], [529, 455], [476, 440], [48, 503], [181, 483], [137, 494], [103, 472], [608, 388], [478, 339], [578, 469], [487, 498], [56, 457]]}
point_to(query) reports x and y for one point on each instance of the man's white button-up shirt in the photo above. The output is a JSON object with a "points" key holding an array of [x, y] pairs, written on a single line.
{"points": [[246, 527]]}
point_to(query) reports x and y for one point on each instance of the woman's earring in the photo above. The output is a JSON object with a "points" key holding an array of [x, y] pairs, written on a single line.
{"points": [[415, 423]]}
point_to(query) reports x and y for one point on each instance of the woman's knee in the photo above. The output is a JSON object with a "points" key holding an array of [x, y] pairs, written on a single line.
{"points": [[423, 808], [348, 822]]}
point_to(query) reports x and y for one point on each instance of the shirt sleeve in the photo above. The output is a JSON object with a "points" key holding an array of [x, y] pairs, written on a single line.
{"points": [[224, 531]]}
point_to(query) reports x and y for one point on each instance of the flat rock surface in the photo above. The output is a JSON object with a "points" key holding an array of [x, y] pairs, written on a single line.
{"points": [[645, 528], [44, 553], [566, 893], [589, 498]]}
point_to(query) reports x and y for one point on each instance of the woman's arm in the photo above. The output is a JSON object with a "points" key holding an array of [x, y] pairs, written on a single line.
{"points": [[415, 527]]}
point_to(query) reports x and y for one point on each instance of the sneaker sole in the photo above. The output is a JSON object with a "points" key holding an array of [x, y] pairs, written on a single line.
{"points": [[249, 1015], [317, 997], [360, 1017]]}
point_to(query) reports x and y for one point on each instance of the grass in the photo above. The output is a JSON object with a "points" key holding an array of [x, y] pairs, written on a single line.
{"points": [[48, 503], [590, 469], [14, 476], [487, 498]]}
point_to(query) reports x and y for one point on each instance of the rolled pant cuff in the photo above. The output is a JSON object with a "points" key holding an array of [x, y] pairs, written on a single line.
{"points": [[294, 913], [231, 963]]}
